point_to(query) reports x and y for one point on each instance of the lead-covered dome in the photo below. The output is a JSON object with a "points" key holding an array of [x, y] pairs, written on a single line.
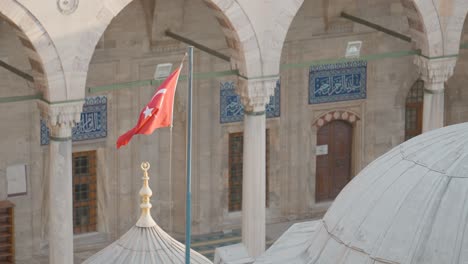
{"points": [[408, 207], [146, 242]]}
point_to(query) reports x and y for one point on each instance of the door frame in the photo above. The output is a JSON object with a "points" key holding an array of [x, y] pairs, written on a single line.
{"points": [[329, 176], [354, 119]]}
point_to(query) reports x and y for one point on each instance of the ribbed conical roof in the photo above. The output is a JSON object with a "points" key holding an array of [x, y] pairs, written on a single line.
{"points": [[145, 242]]}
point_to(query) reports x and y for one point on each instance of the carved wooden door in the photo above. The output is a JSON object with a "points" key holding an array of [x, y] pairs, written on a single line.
{"points": [[333, 170]]}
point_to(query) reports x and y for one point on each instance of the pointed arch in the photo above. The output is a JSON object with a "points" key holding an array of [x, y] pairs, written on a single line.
{"points": [[46, 66], [285, 13], [338, 114], [424, 24], [454, 27], [239, 34]]}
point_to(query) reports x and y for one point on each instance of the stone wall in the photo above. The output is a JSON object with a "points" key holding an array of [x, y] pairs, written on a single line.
{"points": [[130, 49], [19, 143], [125, 53], [317, 33], [456, 106]]}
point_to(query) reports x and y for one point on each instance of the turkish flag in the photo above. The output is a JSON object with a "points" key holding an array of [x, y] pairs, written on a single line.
{"points": [[157, 113]]}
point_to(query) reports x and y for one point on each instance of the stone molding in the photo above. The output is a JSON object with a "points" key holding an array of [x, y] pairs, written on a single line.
{"points": [[256, 93], [435, 72], [338, 114], [61, 118]]}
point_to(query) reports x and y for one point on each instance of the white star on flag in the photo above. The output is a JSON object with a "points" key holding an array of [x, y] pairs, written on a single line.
{"points": [[157, 112], [148, 112]]}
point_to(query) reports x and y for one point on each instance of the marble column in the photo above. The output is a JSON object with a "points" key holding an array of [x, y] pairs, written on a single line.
{"points": [[434, 73], [61, 118], [255, 95]]}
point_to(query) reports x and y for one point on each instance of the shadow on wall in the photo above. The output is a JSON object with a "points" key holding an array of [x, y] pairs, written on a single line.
{"points": [[3, 184]]}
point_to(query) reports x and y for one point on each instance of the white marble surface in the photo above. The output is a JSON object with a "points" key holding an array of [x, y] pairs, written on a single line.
{"points": [[433, 110], [291, 246], [434, 73], [60, 203], [61, 118], [253, 182], [232, 254]]}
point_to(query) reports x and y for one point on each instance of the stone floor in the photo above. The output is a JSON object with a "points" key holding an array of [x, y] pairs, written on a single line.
{"points": [[205, 244]]}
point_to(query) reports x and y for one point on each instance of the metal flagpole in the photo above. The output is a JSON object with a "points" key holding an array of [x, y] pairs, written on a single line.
{"points": [[188, 206], [170, 174]]}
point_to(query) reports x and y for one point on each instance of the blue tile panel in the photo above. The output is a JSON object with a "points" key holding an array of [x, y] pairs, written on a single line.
{"points": [[93, 124], [232, 110], [338, 82]]}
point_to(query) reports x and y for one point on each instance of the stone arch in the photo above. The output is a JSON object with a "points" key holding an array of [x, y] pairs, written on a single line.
{"points": [[287, 10], [423, 20], [239, 33], [338, 114], [47, 69], [425, 26], [454, 27]]}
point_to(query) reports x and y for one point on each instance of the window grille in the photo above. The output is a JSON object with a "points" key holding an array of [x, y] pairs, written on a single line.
{"points": [[236, 144], [84, 192], [414, 110]]}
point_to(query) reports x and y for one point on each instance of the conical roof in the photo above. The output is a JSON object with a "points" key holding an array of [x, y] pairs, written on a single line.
{"points": [[410, 206], [145, 242]]}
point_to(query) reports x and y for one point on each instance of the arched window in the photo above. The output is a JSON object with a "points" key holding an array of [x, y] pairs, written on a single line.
{"points": [[414, 110]]}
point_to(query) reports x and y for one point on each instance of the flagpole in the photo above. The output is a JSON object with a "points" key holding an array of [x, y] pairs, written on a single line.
{"points": [[188, 206], [170, 177]]}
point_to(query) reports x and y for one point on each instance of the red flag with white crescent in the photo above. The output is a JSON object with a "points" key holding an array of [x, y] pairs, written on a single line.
{"points": [[157, 113]]}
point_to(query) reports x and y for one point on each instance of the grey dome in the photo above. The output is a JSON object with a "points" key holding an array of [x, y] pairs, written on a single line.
{"points": [[407, 207], [145, 245], [146, 242]]}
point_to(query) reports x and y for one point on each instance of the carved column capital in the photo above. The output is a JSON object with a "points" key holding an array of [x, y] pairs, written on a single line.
{"points": [[61, 117], [256, 93], [435, 71]]}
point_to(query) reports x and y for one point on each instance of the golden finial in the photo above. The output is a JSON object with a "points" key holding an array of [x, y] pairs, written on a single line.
{"points": [[145, 166], [145, 192]]}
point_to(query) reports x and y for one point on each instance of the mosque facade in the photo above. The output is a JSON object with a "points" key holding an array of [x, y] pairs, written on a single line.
{"points": [[292, 99]]}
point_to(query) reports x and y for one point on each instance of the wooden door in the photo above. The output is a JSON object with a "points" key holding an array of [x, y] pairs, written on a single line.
{"points": [[333, 170]]}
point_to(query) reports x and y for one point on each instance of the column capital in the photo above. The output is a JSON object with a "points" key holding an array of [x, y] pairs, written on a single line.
{"points": [[435, 71], [256, 93], [61, 117]]}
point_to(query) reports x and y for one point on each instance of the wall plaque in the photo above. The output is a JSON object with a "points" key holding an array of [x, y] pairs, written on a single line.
{"points": [[16, 180], [321, 150], [338, 82], [232, 110], [93, 124]]}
